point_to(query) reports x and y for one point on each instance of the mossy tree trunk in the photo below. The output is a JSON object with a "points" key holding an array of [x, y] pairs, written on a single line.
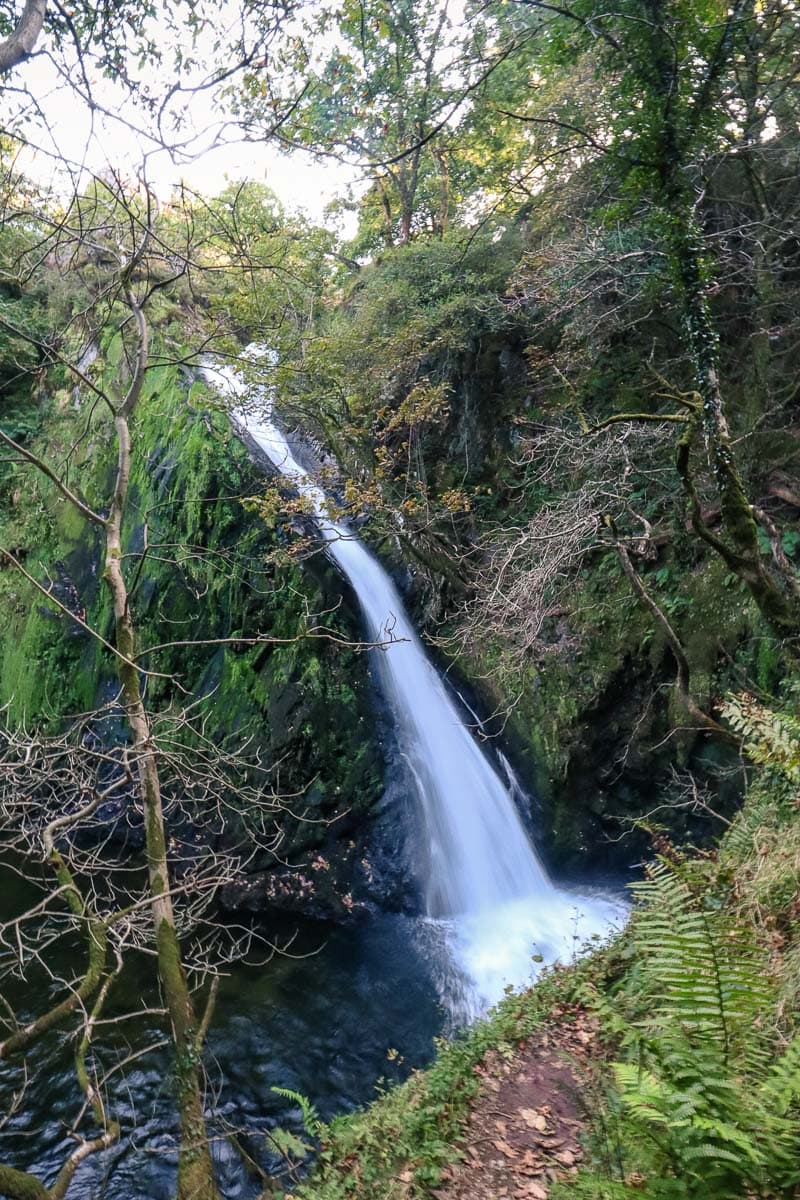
{"points": [[195, 1166], [676, 121], [773, 592]]}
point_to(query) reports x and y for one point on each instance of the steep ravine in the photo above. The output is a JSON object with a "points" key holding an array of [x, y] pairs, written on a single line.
{"points": [[366, 1000], [590, 719], [319, 1020], [487, 895], [586, 729], [213, 570]]}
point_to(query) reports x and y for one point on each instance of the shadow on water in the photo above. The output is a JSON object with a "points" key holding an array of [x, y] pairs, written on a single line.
{"points": [[322, 1023]]}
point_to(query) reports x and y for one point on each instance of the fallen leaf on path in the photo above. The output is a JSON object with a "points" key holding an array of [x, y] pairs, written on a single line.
{"points": [[502, 1145], [533, 1191], [533, 1119]]}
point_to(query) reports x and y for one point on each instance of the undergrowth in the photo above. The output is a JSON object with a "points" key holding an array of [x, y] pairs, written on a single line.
{"points": [[401, 1144], [703, 1098], [696, 1091]]}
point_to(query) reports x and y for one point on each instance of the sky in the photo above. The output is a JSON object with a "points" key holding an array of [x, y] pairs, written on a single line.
{"points": [[68, 126]]}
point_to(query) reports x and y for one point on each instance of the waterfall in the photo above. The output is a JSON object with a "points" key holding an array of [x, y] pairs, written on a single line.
{"points": [[490, 902]]}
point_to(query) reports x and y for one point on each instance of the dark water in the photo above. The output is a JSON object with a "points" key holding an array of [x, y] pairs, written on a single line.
{"points": [[321, 1025]]}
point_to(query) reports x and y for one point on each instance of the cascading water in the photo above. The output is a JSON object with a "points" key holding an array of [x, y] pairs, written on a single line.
{"points": [[490, 902]]}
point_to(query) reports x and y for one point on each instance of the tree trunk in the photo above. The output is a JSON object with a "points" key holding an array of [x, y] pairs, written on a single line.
{"points": [[195, 1167], [685, 249], [683, 673], [20, 44], [743, 555], [19, 1185]]}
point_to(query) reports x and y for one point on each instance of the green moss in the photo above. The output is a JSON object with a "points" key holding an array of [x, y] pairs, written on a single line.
{"points": [[210, 573], [19, 1185]]}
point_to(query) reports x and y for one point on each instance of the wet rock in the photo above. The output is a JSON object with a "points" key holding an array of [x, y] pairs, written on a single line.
{"points": [[313, 890]]}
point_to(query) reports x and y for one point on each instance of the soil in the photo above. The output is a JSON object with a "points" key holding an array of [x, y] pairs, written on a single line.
{"points": [[524, 1131]]}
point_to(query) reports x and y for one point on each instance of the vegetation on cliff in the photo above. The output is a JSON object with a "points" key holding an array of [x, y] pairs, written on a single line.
{"points": [[569, 406], [597, 467], [556, 366]]}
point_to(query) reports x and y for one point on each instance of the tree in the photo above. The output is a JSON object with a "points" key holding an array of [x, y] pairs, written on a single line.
{"points": [[132, 66], [124, 259], [121, 232], [21, 40], [378, 101], [675, 102]]}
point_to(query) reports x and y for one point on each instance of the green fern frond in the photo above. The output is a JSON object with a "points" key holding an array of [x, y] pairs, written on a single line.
{"points": [[782, 1086], [708, 978], [288, 1144], [312, 1122], [770, 738], [642, 1092], [723, 1131], [703, 1092]]}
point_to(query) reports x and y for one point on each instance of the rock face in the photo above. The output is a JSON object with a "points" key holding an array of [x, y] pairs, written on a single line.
{"points": [[586, 730], [591, 723], [343, 888], [215, 570], [366, 865]]}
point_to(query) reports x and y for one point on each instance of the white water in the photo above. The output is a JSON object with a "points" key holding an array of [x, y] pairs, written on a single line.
{"points": [[490, 902]]}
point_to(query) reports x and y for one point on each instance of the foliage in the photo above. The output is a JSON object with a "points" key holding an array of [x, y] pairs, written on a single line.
{"points": [[261, 269], [117, 44], [473, 364], [770, 738], [311, 1119], [706, 1099], [379, 380], [400, 1144], [701, 1085], [376, 92]]}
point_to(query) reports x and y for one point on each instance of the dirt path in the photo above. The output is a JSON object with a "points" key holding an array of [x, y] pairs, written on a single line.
{"points": [[526, 1122]]}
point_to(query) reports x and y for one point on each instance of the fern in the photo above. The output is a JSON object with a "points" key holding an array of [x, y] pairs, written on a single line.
{"points": [[770, 738], [288, 1144], [312, 1122], [702, 1108], [760, 809], [782, 1085], [708, 976], [699, 1092]]}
